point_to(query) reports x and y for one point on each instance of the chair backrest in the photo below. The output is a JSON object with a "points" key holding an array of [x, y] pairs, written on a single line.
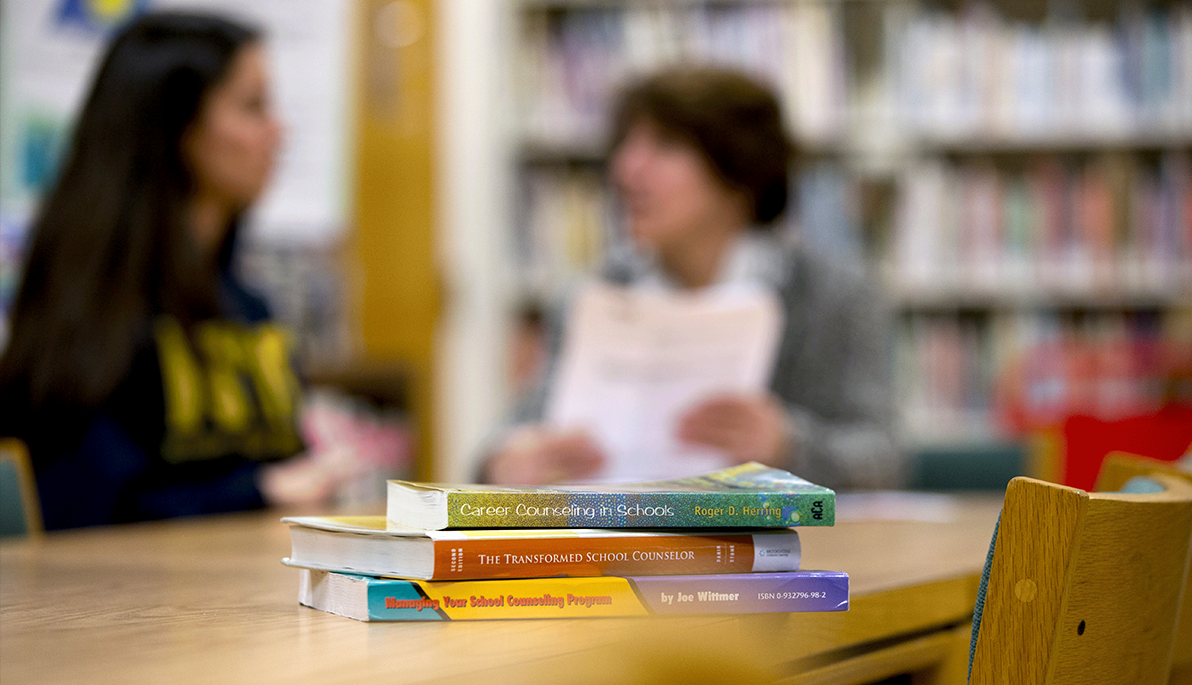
{"points": [[1120, 467], [1084, 587], [20, 513], [1117, 470]]}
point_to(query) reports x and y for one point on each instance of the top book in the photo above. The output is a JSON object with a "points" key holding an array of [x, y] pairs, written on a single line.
{"points": [[746, 496]]}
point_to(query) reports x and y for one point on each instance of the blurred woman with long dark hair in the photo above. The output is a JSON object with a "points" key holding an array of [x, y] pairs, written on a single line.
{"points": [[146, 380]]}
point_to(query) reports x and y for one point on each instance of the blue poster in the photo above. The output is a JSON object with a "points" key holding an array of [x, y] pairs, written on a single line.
{"points": [[98, 16]]}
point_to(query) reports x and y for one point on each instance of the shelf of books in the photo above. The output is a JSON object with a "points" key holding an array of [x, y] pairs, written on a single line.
{"points": [[1017, 177]]}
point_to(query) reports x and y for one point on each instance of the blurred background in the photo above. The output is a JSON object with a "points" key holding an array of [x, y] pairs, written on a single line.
{"points": [[1016, 175]]}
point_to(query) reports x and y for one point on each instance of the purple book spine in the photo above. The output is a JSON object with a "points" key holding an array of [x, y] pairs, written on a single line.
{"points": [[745, 593]]}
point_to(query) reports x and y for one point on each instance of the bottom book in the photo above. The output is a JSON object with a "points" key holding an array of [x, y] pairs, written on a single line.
{"points": [[369, 598]]}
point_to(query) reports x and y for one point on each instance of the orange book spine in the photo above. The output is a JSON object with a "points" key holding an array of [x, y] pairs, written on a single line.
{"points": [[600, 556]]}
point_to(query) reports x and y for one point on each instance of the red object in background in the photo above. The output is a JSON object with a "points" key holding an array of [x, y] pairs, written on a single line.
{"points": [[1164, 435], [1115, 376]]}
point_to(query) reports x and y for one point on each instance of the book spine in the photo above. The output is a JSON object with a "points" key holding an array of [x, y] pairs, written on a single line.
{"points": [[747, 593], [596, 556], [638, 510]]}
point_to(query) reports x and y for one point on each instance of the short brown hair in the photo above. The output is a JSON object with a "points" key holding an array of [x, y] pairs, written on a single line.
{"points": [[733, 121]]}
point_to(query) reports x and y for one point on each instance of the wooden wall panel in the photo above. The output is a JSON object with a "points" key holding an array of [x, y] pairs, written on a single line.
{"points": [[395, 279]]}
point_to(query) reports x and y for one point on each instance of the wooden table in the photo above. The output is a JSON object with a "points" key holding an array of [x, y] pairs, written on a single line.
{"points": [[206, 600]]}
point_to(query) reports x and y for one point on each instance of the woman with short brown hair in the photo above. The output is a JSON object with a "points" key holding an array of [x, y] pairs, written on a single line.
{"points": [[701, 162]]}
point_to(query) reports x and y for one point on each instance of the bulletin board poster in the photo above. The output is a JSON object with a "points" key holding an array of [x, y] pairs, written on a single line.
{"points": [[49, 50]]}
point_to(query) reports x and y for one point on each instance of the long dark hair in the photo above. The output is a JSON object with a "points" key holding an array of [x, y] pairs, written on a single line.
{"points": [[111, 244]]}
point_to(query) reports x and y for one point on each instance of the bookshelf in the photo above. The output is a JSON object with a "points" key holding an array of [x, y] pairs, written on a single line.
{"points": [[1017, 176]]}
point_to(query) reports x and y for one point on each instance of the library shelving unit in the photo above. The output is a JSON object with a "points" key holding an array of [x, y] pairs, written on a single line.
{"points": [[1017, 176]]}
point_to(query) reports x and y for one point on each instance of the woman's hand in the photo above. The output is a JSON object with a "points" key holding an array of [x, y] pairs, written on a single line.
{"points": [[304, 479], [745, 427], [533, 455]]}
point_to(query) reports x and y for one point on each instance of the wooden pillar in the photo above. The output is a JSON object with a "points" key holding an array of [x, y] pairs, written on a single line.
{"points": [[395, 279]]}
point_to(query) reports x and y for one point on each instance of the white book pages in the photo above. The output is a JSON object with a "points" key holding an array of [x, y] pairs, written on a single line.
{"points": [[633, 362]]}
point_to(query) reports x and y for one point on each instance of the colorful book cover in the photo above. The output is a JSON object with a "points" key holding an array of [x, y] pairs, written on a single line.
{"points": [[746, 496], [367, 545], [368, 598]]}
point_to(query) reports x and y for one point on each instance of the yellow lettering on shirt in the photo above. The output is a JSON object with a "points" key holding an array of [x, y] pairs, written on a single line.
{"points": [[232, 391], [181, 377]]}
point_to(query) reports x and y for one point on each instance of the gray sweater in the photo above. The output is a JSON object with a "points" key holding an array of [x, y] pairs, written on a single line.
{"points": [[833, 370]]}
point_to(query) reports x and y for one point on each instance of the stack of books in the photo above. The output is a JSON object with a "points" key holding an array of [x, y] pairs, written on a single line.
{"points": [[721, 543]]}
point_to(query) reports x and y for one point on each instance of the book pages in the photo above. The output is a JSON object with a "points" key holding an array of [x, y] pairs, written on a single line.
{"points": [[634, 362]]}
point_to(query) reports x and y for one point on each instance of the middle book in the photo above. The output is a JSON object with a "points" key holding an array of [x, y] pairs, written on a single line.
{"points": [[366, 545]]}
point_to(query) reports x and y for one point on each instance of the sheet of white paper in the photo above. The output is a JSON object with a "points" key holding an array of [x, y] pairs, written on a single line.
{"points": [[633, 362]]}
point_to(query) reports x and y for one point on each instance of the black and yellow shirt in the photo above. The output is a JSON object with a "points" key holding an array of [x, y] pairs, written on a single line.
{"points": [[228, 389], [184, 433]]}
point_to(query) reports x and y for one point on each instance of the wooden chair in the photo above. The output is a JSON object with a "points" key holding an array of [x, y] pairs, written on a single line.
{"points": [[20, 513], [1117, 470], [1084, 587]]}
